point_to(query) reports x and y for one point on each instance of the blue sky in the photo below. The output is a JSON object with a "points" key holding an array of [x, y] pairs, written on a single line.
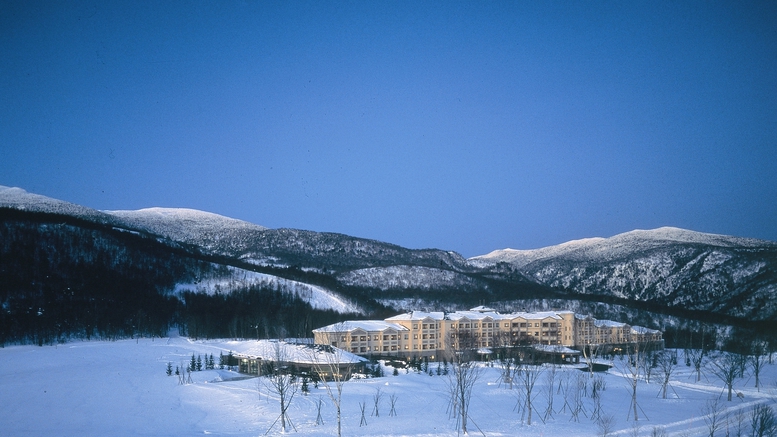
{"points": [[466, 126]]}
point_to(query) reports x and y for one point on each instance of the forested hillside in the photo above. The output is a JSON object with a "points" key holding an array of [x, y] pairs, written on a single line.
{"points": [[64, 277]]}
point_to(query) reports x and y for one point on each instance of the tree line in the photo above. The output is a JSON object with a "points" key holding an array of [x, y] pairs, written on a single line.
{"points": [[63, 278]]}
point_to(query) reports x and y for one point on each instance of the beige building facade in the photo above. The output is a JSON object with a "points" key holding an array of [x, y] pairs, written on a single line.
{"points": [[432, 334]]}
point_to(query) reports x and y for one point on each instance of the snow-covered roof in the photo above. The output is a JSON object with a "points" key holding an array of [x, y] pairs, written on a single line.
{"points": [[643, 330], [418, 315], [293, 351], [483, 309], [366, 325], [477, 313], [608, 324], [556, 349], [474, 315], [538, 315]]}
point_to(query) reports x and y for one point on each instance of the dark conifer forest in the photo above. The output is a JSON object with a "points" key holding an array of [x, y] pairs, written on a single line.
{"points": [[63, 278]]}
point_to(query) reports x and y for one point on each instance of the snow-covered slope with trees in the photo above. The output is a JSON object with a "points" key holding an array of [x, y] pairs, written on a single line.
{"points": [[237, 279], [667, 267], [407, 277], [17, 198], [604, 249], [190, 226]]}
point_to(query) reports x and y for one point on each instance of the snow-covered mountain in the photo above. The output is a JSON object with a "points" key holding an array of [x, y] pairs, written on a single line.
{"points": [[669, 267], [206, 230], [238, 239], [604, 249], [68, 271], [406, 277], [17, 198]]}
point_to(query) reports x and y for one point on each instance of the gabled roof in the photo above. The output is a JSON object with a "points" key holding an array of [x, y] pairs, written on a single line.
{"points": [[483, 309], [643, 330], [473, 315], [536, 315], [608, 324], [557, 349], [309, 353], [366, 325], [418, 315]]}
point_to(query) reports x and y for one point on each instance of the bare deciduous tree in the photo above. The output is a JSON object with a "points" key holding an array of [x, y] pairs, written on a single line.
{"points": [[658, 431], [507, 358], [630, 367], [550, 380], [283, 383], [463, 375], [757, 360], [739, 423], [376, 398], [714, 416], [667, 362], [528, 377], [578, 392], [590, 353], [606, 424], [763, 422], [597, 387], [697, 359], [333, 367], [726, 366]]}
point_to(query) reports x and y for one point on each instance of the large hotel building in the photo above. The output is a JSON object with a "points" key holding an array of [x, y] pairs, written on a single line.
{"points": [[429, 334]]}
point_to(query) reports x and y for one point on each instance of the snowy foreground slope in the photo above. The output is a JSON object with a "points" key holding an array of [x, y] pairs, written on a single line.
{"points": [[120, 389]]}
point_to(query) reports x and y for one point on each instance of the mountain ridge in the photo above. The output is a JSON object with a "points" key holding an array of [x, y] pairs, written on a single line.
{"points": [[666, 267], [612, 247]]}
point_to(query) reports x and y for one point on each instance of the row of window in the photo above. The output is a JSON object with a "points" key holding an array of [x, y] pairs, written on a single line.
{"points": [[362, 338], [394, 348], [355, 338], [375, 337], [487, 325]]}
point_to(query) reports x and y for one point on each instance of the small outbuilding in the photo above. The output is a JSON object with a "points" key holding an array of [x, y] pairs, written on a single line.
{"points": [[297, 356]]}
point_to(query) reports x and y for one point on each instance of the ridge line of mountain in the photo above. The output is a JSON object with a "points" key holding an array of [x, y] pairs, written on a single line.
{"points": [[671, 268]]}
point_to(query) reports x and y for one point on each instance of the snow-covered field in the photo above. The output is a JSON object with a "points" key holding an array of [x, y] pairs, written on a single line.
{"points": [[120, 388]]}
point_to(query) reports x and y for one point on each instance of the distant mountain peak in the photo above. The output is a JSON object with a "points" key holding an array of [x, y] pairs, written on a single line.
{"points": [[17, 198], [617, 245], [185, 225], [180, 214], [679, 235]]}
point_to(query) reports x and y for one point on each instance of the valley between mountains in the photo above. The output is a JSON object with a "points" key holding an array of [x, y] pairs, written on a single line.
{"points": [[68, 270]]}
